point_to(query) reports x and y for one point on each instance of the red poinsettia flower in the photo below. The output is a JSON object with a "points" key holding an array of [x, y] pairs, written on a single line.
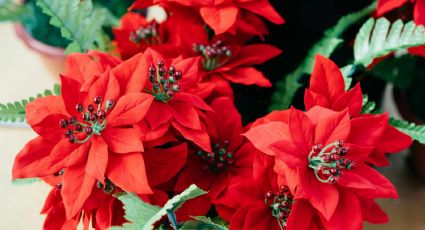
{"points": [[257, 202], [226, 16], [87, 131], [385, 6], [231, 158], [327, 89], [223, 63], [321, 155], [174, 113]]}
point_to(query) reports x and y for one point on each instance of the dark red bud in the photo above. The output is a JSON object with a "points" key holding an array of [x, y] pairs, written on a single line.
{"points": [[78, 127], [93, 117], [97, 100], [160, 63], [178, 75], [101, 114], [88, 130], [63, 123], [90, 108], [79, 107]]}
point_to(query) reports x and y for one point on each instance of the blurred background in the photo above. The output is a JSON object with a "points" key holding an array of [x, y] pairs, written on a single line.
{"points": [[28, 67]]}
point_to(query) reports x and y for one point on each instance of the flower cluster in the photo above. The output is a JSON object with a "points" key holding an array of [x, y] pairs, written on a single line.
{"points": [[162, 117]]}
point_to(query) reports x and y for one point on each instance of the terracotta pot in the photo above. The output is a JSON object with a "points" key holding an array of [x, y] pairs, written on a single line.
{"points": [[416, 159], [53, 57]]}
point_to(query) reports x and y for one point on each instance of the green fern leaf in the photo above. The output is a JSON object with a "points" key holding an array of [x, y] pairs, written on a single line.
{"points": [[78, 20], [143, 216], [286, 88], [15, 112], [379, 38], [417, 132], [11, 11], [368, 106]]}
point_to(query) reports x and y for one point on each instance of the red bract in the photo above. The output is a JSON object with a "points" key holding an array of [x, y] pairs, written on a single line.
{"points": [[174, 113], [226, 16], [327, 89], [321, 155], [223, 63], [230, 158], [259, 203], [137, 33], [87, 131], [385, 6]]}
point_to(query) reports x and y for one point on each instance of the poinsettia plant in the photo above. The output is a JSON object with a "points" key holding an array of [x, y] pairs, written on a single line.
{"points": [[144, 132]]}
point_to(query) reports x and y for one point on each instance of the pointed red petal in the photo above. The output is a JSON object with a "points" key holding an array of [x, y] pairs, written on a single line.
{"points": [[128, 172], [33, 160], [385, 6], [132, 74], [353, 100], [301, 130], [247, 76], [159, 114], [106, 86], [130, 109], [327, 79], [97, 159], [367, 130], [264, 9], [185, 114], [76, 188], [248, 55], [343, 218], [263, 136], [198, 137], [163, 164], [220, 19], [334, 127], [122, 140]]}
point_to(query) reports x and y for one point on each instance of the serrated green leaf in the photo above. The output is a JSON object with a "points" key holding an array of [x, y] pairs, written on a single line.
{"points": [[11, 11], [287, 87], [143, 215], [25, 181], [78, 20], [204, 223], [15, 112], [378, 38], [57, 89], [367, 106], [417, 132]]}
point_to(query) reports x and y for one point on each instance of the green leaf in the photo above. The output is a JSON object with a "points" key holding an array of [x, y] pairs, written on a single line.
{"points": [[204, 223], [286, 88], [57, 89], [78, 20], [143, 215], [377, 38], [368, 106], [25, 181], [15, 112], [417, 132], [11, 11]]}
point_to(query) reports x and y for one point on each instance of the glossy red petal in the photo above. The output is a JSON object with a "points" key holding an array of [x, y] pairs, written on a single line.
{"points": [[326, 79], [347, 215], [163, 164], [132, 73], [129, 109], [264, 9], [290, 154], [220, 19], [334, 127], [70, 93], [247, 76], [185, 115], [198, 137], [248, 55], [385, 6], [106, 86], [353, 100], [372, 213], [128, 172], [302, 131], [76, 188], [159, 114], [97, 159], [33, 160], [194, 100], [40, 108], [367, 130], [122, 140], [263, 136], [312, 99]]}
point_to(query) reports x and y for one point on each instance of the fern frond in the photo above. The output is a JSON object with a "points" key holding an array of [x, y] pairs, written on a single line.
{"points": [[417, 132], [11, 11], [378, 38], [78, 20]]}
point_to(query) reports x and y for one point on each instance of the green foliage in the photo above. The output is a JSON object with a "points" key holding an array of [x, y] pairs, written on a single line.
{"points": [[143, 215], [399, 71], [11, 11], [368, 106], [25, 181], [379, 38], [204, 223], [417, 132], [78, 21], [15, 112], [286, 88]]}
